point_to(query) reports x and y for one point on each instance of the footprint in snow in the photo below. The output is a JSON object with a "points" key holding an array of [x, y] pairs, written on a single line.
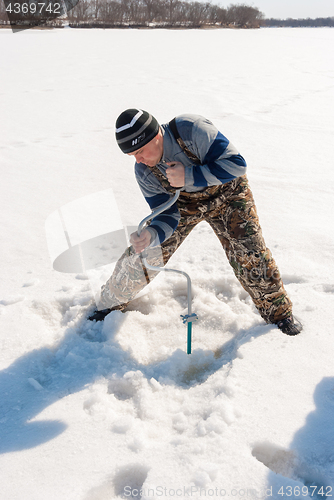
{"points": [[12, 300], [30, 283], [127, 482], [324, 288], [328, 288], [127, 386], [292, 278]]}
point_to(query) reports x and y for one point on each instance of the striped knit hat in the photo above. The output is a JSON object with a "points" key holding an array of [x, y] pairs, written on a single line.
{"points": [[134, 129]]}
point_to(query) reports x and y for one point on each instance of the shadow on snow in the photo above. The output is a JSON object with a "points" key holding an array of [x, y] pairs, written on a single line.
{"points": [[306, 469], [41, 377]]}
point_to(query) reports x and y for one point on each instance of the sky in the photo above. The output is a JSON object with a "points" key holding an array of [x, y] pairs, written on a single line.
{"points": [[284, 9]]}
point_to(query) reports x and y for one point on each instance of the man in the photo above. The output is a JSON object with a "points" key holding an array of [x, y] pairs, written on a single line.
{"points": [[191, 154]]}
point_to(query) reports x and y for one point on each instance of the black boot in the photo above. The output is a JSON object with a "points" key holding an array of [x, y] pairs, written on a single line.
{"points": [[100, 315], [290, 326]]}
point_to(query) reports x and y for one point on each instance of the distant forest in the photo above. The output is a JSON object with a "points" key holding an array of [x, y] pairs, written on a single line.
{"points": [[300, 23], [149, 14]]}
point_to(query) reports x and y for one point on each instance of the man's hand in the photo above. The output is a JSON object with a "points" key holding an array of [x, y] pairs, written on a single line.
{"points": [[175, 174], [141, 242]]}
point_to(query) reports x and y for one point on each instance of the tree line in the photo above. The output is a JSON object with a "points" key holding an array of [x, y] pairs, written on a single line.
{"points": [[299, 23], [163, 13], [149, 13]]}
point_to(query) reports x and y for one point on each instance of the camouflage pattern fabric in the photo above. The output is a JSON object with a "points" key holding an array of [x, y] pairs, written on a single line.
{"points": [[230, 210]]}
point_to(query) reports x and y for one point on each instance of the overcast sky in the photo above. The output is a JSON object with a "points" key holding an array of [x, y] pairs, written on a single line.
{"points": [[283, 9]]}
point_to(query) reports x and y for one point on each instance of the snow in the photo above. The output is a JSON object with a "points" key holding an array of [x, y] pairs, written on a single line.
{"points": [[119, 410]]}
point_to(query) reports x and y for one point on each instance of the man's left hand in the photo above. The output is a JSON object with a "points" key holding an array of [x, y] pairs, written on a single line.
{"points": [[175, 174]]}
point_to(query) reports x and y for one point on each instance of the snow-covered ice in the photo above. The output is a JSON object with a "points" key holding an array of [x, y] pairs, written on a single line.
{"points": [[119, 410]]}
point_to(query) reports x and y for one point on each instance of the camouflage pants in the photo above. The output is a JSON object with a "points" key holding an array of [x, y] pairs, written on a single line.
{"points": [[230, 210]]}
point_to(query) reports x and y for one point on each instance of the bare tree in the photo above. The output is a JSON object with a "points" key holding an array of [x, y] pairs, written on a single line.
{"points": [[153, 10], [198, 13], [125, 9], [244, 16], [170, 10], [95, 8], [111, 12], [81, 12], [219, 15], [137, 12]]}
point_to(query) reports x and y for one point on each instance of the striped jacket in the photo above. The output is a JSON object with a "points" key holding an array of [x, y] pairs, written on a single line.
{"points": [[220, 163]]}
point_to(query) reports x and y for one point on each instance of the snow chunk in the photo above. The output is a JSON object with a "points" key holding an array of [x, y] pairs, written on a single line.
{"points": [[30, 283], [122, 425], [12, 300]]}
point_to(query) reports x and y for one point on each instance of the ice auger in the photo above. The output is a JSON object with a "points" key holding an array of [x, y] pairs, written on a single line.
{"points": [[187, 318]]}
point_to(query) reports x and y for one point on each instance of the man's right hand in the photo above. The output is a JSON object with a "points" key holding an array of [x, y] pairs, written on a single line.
{"points": [[141, 242], [175, 174]]}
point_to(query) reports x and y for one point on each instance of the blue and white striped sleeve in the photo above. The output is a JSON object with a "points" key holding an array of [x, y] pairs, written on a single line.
{"points": [[221, 161], [163, 225]]}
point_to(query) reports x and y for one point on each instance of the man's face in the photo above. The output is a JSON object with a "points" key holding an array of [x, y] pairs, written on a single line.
{"points": [[151, 153]]}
